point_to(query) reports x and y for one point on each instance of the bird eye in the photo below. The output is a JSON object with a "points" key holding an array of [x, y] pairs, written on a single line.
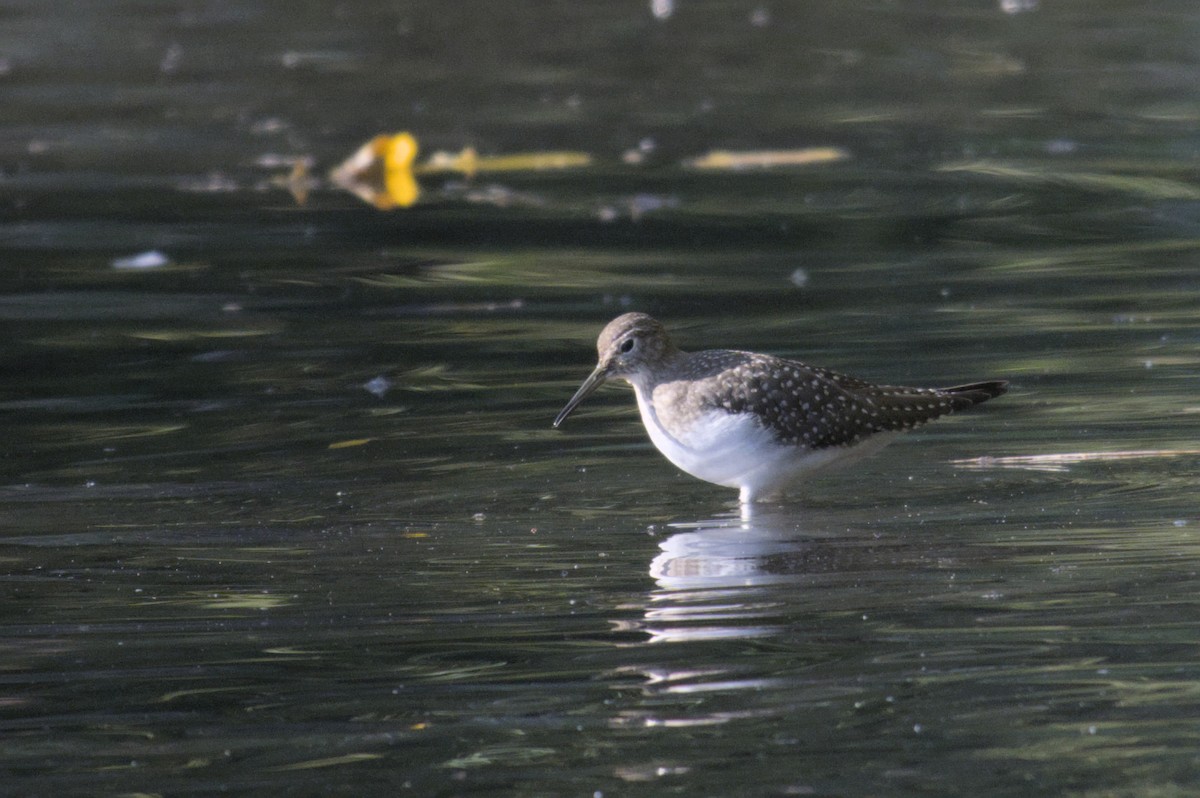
{"points": [[627, 345]]}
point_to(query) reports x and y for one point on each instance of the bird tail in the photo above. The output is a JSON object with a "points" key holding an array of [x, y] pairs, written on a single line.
{"points": [[976, 392]]}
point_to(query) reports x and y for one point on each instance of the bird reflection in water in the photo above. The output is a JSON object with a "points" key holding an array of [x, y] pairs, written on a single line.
{"points": [[715, 577]]}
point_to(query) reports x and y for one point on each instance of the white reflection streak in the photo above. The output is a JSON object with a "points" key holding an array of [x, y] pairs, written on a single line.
{"points": [[1062, 461], [707, 680], [639, 719]]}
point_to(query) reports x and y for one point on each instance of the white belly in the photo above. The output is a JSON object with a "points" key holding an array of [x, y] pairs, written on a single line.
{"points": [[735, 451]]}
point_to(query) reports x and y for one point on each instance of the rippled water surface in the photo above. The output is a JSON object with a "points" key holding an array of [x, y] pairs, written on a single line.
{"points": [[281, 509]]}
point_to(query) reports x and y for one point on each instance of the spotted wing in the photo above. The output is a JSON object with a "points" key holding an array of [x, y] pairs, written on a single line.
{"points": [[817, 408]]}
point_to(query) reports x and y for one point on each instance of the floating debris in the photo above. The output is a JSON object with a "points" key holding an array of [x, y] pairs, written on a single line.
{"points": [[1018, 6], [502, 197], [151, 259], [299, 180], [636, 207], [379, 386], [642, 204], [169, 64], [638, 155], [215, 182], [662, 9]]}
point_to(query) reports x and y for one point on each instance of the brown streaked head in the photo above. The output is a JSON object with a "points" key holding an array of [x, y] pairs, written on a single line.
{"points": [[629, 344]]}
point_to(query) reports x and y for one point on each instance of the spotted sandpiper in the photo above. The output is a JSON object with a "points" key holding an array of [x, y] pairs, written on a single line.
{"points": [[756, 422]]}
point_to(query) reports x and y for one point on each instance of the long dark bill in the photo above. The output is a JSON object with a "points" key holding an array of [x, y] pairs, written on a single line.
{"points": [[594, 381]]}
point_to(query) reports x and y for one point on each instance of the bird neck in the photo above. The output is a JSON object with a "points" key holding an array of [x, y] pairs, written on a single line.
{"points": [[663, 368]]}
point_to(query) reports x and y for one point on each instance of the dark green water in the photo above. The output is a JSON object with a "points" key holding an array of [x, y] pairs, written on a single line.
{"points": [[285, 515]]}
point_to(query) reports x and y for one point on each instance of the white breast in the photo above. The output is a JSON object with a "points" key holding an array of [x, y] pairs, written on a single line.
{"points": [[734, 450]]}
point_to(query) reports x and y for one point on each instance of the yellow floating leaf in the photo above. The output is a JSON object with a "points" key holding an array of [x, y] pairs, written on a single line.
{"points": [[398, 151], [401, 190], [469, 162], [767, 159], [380, 172]]}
